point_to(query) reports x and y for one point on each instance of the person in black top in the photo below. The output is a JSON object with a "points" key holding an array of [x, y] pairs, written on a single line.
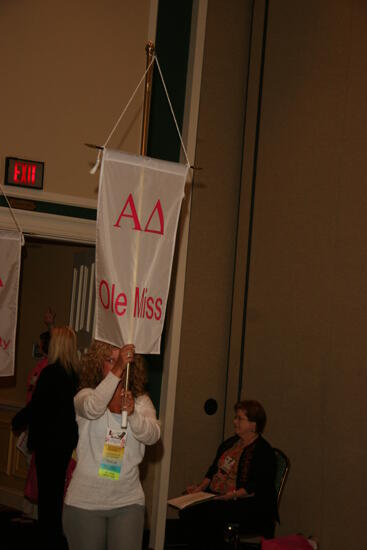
{"points": [[242, 477], [52, 432]]}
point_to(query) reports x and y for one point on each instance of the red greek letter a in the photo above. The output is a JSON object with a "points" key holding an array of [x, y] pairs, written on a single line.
{"points": [[133, 214], [158, 209]]}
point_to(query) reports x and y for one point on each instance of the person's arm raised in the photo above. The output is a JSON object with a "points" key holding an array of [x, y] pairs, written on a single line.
{"points": [[126, 355], [92, 403]]}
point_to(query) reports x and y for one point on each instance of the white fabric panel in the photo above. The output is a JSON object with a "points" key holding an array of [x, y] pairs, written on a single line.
{"points": [[10, 247], [138, 209]]}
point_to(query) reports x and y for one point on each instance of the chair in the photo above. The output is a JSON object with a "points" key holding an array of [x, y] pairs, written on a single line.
{"points": [[282, 469], [253, 540]]}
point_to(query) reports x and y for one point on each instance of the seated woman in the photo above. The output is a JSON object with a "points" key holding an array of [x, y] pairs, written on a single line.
{"points": [[242, 476], [104, 505]]}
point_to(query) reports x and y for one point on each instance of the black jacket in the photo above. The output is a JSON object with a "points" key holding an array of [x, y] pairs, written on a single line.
{"points": [[50, 415], [255, 473]]}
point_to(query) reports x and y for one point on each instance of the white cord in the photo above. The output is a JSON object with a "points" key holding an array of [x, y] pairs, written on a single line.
{"points": [[94, 169], [154, 58], [173, 114], [128, 104], [13, 216]]}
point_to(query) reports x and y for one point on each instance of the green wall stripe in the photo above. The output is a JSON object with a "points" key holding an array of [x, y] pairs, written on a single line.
{"points": [[172, 49], [54, 208]]}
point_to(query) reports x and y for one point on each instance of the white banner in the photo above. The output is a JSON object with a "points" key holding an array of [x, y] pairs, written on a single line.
{"points": [[138, 209], [10, 247]]}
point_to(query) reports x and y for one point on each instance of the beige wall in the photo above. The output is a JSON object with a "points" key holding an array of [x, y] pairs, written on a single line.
{"points": [[305, 331], [67, 71], [305, 321], [209, 276]]}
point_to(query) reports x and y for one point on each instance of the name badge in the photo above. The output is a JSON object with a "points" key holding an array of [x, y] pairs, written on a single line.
{"points": [[113, 452], [227, 464]]}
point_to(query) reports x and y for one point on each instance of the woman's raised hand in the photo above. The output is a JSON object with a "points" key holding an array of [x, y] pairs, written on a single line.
{"points": [[126, 355]]}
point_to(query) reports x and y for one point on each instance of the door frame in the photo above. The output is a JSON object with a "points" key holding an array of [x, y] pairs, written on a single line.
{"points": [[74, 222]]}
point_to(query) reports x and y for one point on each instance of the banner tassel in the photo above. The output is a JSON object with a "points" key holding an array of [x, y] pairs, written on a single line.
{"points": [[97, 163]]}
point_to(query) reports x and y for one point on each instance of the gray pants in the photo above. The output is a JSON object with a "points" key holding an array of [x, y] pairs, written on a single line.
{"points": [[118, 529]]}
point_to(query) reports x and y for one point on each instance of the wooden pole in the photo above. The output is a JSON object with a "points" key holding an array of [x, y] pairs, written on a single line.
{"points": [[149, 48]]}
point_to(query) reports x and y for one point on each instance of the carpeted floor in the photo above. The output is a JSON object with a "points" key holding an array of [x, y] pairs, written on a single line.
{"points": [[18, 532]]}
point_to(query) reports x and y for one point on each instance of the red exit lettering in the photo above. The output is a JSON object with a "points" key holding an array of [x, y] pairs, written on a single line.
{"points": [[24, 173]]}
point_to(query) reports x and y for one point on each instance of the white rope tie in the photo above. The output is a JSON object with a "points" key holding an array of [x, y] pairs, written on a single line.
{"points": [[128, 104], [13, 216], [95, 167], [154, 58]]}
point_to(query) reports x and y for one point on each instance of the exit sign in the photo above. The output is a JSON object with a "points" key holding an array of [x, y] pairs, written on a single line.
{"points": [[24, 173]]}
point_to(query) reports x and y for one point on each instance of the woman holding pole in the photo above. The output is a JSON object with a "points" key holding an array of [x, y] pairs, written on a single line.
{"points": [[104, 505]]}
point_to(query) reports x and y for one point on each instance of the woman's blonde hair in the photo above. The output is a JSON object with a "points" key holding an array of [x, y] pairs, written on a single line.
{"points": [[92, 362], [63, 348]]}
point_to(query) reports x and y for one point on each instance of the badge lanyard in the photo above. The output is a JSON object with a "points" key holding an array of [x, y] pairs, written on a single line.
{"points": [[113, 452]]}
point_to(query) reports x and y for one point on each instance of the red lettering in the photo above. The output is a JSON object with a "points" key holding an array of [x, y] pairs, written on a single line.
{"points": [[4, 344], [24, 173], [112, 296], [133, 214], [139, 304], [1, 283], [23, 178], [158, 305], [150, 302], [146, 306], [16, 171], [102, 284], [107, 298], [158, 209], [121, 301], [31, 178]]}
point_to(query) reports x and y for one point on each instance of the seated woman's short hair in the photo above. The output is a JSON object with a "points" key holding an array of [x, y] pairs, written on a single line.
{"points": [[254, 411]]}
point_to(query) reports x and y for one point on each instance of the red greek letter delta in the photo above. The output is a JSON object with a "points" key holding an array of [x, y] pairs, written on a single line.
{"points": [[155, 223]]}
